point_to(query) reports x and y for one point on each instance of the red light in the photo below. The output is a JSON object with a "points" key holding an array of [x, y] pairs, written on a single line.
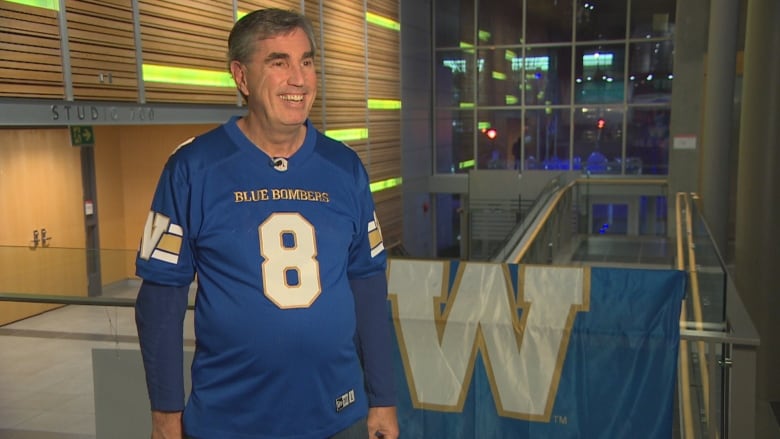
{"points": [[600, 123], [491, 133]]}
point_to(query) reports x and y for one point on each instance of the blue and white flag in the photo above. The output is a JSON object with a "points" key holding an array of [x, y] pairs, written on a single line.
{"points": [[520, 351]]}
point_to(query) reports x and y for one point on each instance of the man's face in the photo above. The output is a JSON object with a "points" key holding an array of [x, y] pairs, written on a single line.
{"points": [[280, 80]]}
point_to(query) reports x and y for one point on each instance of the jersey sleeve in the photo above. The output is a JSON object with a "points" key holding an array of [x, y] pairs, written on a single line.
{"points": [[159, 319], [165, 255], [367, 252], [368, 281], [165, 264]]}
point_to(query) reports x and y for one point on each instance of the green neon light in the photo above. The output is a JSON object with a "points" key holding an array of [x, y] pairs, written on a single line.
{"points": [[53, 5], [509, 55], [468, 48], [382, 21], [597, 60], [385, 184], [466, 164], [500, 76], [182, 75], [531, 63], [384, 104], [466, 105], [484, 35], [483, 125], [511, 99], [348, 134]]}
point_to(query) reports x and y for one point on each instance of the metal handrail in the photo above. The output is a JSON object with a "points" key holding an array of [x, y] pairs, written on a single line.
{"points": [[71, 300]]}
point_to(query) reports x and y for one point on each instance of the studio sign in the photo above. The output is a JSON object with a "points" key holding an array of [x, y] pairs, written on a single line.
{"points": [[95, 113]]}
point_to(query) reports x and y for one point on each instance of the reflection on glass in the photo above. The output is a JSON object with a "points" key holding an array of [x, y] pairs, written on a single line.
{"points": [[647, 140], [455, 72], [650, 72], [500, 77], [599, 74], [601, 20], [544, 75], [548, 22], [454, 141], [497, 139], [500, 22], [653, 216], [546, 139], [598, 140], [454, 23], [653, 19], [547, 75], [610, 219]]}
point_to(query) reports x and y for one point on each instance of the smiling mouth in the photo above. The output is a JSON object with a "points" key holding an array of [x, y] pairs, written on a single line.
{"points": [[292, 98]]}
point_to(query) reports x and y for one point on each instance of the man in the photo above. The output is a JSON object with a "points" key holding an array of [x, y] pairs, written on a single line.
{"points": [[278, 223]]}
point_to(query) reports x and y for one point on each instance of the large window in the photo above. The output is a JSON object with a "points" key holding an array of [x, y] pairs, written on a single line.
{"points": [[566, 84]]}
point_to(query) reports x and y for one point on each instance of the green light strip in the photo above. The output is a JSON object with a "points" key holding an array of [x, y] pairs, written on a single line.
{"points": [[385, 184], [181, 75], [466, 164], [499, 76], [508, 55], [384, 104], [382, 21], [484, 35], [483, 125], [466, 105], [511, 99], [53, 5], [467, 48], [597, 60], [348, 134]]}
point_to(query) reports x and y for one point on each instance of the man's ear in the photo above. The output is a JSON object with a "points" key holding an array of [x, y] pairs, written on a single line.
{"points": [[239, 76]]}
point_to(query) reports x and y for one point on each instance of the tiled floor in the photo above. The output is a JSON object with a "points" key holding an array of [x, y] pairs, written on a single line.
{"points": [[46, 379]]}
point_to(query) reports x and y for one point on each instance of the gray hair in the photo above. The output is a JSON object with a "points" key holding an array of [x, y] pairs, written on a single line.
{"points": [[261, 24]]}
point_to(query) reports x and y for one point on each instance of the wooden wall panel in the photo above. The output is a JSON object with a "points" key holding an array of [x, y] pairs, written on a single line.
{"points": [[389, 208], [30, 57], [116, 257], [189, 34], [40, 177], [344, 73], [102, 50], [251, 5], [384, 82], [144, 151]]}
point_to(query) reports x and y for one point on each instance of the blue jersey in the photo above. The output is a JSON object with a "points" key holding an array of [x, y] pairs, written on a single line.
{"points": [[274, 244]]}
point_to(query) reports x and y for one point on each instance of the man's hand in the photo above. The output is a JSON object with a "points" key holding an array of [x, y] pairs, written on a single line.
{"points": [[166, 425], [382, 422]]}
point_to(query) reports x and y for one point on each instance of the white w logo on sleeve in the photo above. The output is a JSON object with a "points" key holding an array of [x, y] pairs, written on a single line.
{"points": [[161, 239], [439, 334]]}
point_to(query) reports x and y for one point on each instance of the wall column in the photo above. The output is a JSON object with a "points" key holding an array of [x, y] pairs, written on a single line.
{"points": [[757, 246], [719, 103], [690, 46]]}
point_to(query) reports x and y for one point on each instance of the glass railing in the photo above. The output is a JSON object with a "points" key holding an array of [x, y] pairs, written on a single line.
{"points": [[595, 221], [70, 361], [714, 326]]}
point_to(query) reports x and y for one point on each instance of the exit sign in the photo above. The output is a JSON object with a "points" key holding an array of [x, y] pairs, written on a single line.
{"points": [[82, 136]]}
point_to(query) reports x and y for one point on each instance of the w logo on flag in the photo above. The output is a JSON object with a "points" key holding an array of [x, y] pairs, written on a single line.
{"points": [[494, 350]]}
